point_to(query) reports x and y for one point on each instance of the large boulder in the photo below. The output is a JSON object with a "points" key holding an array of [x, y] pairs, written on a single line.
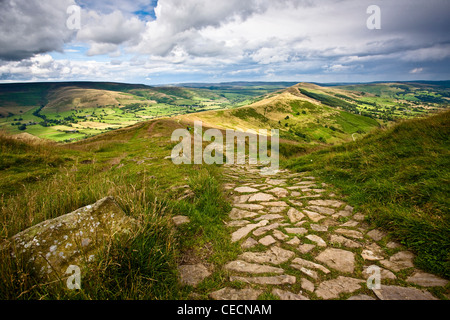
{"points": [[73, 239]]}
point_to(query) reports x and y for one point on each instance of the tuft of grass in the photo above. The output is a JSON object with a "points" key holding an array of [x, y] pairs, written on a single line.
{"points": [[400, 179]]}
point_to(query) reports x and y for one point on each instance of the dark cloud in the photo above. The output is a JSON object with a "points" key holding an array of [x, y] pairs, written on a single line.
{"points": [[32, 27]]}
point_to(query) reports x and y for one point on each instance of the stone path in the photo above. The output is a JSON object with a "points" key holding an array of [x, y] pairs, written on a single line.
{"points": [[300, 242]]}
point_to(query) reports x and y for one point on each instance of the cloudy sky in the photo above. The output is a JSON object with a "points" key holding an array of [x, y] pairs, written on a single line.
{"points": [[175, 41]]}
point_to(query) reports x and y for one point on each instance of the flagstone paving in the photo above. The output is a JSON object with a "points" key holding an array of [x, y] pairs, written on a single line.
{"points": [[302, 242]]}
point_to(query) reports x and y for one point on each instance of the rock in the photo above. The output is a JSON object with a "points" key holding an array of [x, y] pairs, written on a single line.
{"points": [[280, 235], [370, 255], [276, 209], [279, 192], [393, 245], [193, 274], [243, 232], [241, 199], [275, 280], [251, 207], [376, 234], [230, 294], [269, 217], [286, 295], [401, 293], [237, 223], [308, 272], [314, 216], [267, 241], [305, 248], [294, 241], [384, 274], [295, 215], [238, 214], [331, 289], [318, 240], [350, 224], [274, 255], [344, 241], [308, 264], [307, 285], [399, 261], [427, 280], [275, 182], [245, 267], [275, 204], [350, 233], [249, 243], [319, 228], [359, 217], [259, 197], [180, 220], [323, 210], [361, 297], [300, 231], [72, 239], [246, 190], [341, 260], [260, 231], [326, 203]]}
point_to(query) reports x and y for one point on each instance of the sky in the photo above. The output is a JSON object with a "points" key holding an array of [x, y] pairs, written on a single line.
{"points": [[178, 41]]}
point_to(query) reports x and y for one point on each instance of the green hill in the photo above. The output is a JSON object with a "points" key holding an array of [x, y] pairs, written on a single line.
{"points": [[400, 178]]}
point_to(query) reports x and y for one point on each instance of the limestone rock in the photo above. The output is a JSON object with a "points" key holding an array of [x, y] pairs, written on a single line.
{"points": [[249, 206], [238, 214], [309, 264], [318, 240], [279, 192], [376, 235], [305, 248], [249, 243], [243, 232], [344, 241], [350, 233], [259, 197], [267, 241], [286, 295], [193, 274], [236, 295], [74, 238], [300, 231], [402, 293], [427, 280], [341, 260], [385, 274], [399, 261], [295, 215], [314, 216], [274, 255], [331, 289], [269, 217], [245, 267], [307, 285], [323, 210], [280, 235], [327, 203], [361, 297], [275, 280], [260, 231], [246, 190]]}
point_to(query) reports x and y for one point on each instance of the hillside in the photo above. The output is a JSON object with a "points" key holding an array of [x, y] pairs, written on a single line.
{"points": [[77, 110], [399, 178]]}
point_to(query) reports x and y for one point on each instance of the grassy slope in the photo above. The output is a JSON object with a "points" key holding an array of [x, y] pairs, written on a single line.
{"points": [[400, 179], [128, 164]]}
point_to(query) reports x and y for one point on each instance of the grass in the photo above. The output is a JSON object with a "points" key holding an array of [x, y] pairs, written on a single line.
{"points": [[399, 178], [141, 267]]}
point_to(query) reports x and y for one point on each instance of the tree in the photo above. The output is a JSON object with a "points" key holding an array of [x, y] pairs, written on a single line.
{"points": [[22, 127]]}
